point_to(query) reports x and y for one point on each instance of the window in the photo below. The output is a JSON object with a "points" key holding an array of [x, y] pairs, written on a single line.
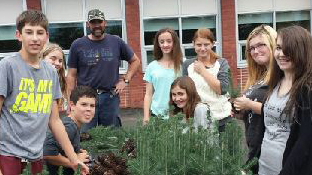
{"points": [[8, 42], [183, 16], [301, 18], [191, 24], [247, 22], [68, 24], [151, 26], [65, 33], [276, 13]]}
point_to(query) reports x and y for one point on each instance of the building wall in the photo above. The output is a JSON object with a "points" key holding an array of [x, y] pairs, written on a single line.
{"points": [[229, 34], [134, 93], [34, 4]]}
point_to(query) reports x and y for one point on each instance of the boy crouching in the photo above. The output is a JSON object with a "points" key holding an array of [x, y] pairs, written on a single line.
{"points": [[82, 105]]}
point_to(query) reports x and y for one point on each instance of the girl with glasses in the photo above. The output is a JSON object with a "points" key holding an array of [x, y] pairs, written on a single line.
{"points": [[259, 54]]}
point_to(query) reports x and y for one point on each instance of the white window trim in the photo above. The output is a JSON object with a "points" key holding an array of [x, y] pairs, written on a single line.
{"points": [[145, 48], [124, 67], [239, 43], [2, 55]]}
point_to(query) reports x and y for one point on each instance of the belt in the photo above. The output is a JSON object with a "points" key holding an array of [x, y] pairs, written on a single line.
{"points": [[101, 91]]}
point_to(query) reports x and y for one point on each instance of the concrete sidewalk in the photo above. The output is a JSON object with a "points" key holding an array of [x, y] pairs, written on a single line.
{"points": [[130, 116]]}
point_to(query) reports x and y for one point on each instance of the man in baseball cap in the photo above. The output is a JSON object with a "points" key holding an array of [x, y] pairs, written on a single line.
{"points": [[96, 14], [97, 57], [96, 23]]}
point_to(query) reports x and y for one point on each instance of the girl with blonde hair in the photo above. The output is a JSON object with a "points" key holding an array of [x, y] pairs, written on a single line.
{"points": [[259, 55], [54, 54]]}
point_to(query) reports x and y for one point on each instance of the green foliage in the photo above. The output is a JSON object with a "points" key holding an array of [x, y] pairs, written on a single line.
{"points": [[27, 170], [173, 147], [234, 92], [105, 139]]}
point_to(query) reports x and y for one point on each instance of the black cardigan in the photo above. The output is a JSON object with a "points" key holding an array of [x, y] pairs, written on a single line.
{"points": [[297, 158]]}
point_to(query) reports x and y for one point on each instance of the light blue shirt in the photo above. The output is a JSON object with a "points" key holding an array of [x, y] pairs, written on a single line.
{"points": [[161, 79]]}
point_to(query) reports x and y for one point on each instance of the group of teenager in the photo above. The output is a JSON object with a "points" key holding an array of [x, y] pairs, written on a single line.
{"points": [[275, 103], [34, 93], [196, 88]]}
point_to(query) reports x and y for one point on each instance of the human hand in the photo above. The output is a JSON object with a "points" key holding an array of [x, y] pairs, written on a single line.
{"points": [[145, 121], [83, 156], [120, 86], [84, 169], [199, 67], [242, 103]]}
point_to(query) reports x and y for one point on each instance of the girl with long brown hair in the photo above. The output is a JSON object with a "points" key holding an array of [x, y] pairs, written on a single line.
{"points": [[286, 145], [161, 72], [185, 99]]}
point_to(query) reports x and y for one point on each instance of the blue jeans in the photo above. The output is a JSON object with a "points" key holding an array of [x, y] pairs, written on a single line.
{"points": [[106, 112]]}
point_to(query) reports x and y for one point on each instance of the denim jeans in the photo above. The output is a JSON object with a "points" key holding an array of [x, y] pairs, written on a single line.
{"points": [[106, 112]]}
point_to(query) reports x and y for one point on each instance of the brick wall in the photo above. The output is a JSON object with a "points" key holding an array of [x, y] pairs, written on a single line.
{"points": [[242, 75], [33, 4], [229, 35], [134, 93]]}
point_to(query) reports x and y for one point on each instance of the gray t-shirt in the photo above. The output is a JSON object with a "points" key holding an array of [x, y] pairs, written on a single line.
{"points": [[53, 148], [28, 95], [277, 129]]}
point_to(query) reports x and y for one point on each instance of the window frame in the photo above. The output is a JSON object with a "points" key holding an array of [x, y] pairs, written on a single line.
{"points": [[241, 63], [124, 65], [24, 7], [179, 16]]}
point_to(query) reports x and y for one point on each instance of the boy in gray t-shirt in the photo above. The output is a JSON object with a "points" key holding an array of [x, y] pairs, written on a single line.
{"points": [[28, 93]]}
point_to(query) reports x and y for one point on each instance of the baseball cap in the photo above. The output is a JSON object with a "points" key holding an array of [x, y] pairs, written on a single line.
{"points": [[95, 14]]}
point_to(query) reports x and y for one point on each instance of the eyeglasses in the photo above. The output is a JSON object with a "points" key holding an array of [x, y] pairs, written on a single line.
{"points": [[259, 46]]}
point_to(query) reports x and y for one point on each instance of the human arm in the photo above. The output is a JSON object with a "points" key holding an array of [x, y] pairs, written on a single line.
{"points": [[60, 160], [218, 84], [297, 155], [1, 103], [147, 102], [134, 64], [201, 116], [58, 130], [212, 81], [71, 80], [185, 65], [244, 103]]}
